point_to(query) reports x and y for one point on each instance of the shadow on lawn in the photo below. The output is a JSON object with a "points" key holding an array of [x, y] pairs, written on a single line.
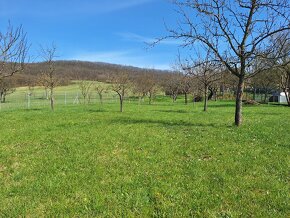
{"points": [[164, 123], [96, 110], [33, 109], [281, 105], [173, 111], [264, 113], [220, 105]]}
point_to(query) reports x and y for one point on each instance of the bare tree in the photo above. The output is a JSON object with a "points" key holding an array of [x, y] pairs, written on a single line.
{"points": [[206, 71], [285, 84], [145, 84], [185, 80], [186, 83], [85, 88], [237, 32], [266, 82], [13, 51], [152, 90], [196, 90], [121, 84], [140, 86], [100, 89], [150, 82], [48, 74], [281, 46], [228, 85], [7, 87], [42, 82], [171, 85]]}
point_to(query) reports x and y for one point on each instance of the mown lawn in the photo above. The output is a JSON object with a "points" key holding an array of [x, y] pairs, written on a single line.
{"points": [[162, 160]]}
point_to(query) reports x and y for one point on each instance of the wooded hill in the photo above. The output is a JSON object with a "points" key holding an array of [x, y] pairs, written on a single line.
{"points": [[79, 70]]}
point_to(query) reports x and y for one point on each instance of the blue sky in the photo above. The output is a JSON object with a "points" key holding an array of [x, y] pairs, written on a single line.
{"points": [[111, 31]]}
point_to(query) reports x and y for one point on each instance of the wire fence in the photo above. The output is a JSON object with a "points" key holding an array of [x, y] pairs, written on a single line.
{"points": [[27, 100], [37, 99]]}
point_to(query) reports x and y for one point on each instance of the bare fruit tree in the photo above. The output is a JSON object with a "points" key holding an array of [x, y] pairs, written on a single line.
{"points": [[121, 84], [48, 74], [207, 72], [140, 87], [285, 83], [85, 88], [7, 86], [186, 85], [236, 31], [100, 89], [268, 82], [171, 85], [281, 45], [13, 51], [152, 85], [146, 84]]}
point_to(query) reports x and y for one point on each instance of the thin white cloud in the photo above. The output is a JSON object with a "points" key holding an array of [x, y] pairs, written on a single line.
{"points": [[126, 57], [138, 38]]}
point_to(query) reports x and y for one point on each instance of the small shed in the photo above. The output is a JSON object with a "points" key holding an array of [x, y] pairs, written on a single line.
{"points": [[279, 97]]}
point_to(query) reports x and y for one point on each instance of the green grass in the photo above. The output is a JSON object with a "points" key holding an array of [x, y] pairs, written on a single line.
{"points": [[163, 160]]}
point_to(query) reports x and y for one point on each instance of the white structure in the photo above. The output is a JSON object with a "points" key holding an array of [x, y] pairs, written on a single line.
{"points": [[278, 97]]}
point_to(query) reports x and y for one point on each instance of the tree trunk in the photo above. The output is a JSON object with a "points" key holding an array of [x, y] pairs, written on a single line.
{"points": [[51, 99], [223, 91], [3, 97], [46, 93], [239, 101], [150, 98], [101, 98], [121, 103], [185, 98], [211, 94], [287, 96], [173, 97], [205, 98], [288, 99], [266, 96]]}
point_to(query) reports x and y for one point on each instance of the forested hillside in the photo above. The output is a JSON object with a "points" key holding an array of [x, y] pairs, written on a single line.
{"points": [[76, 70]]}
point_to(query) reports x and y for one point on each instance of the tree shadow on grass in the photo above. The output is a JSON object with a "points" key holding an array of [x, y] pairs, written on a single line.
{"points": [[263, 113], [281, 105], [173, 111], [33, 109], [96, 110], [165, 123], [220, 105]]}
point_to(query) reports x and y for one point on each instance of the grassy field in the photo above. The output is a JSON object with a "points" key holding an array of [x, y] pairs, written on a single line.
{"points": [[161, 160]]}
